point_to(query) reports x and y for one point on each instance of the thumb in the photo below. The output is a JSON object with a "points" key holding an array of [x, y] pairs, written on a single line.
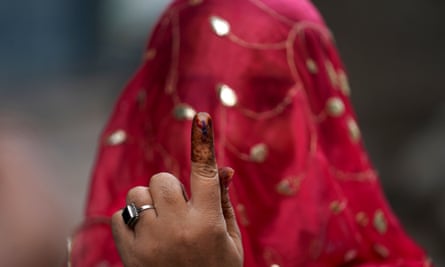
{"points": [[204, 181], [225, 178]]}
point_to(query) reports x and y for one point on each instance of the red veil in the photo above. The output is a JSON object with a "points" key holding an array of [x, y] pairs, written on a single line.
{"points": [[267, 71]]}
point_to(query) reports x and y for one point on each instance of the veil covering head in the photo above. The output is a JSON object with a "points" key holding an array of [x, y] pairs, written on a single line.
{"points": [[267, 71]]}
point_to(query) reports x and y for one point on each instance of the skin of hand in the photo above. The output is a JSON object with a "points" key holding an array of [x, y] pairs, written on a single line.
{"points": [[200, 231]]}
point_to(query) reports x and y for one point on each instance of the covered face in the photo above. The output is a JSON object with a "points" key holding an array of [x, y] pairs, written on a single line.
{"points": [[269, 75]]}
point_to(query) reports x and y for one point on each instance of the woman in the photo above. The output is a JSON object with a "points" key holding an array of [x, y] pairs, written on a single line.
{"points": [[305, 193]]}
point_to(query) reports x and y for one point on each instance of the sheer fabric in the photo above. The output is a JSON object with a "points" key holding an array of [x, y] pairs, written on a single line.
{"points": [[267, 71]]}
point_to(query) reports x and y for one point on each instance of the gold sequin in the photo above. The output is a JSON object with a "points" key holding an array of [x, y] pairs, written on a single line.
{"points": [[183, 112], [150, 54], [258, 153], [271, 257], [337, 206], [220, 26], [354, 130], [311, 66], [335, 107], [380, 223], [362, 219], [344, 83], [226, 95], [332, 74], [288, 187], [350, 255], [381, 250], [284, 188], [117, 138]]}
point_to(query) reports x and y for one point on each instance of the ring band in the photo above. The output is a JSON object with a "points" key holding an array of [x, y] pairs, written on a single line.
{"points": [[145, 207], [130, 214]]}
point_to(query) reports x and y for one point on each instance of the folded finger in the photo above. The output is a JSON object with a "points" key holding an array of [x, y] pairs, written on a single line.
{"points": [[141, 197], [123, 235], [168, 195]]}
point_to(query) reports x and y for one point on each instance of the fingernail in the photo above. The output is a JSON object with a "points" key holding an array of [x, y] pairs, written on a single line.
{"points": [[225, 176], [203, 122], [202, 139]]}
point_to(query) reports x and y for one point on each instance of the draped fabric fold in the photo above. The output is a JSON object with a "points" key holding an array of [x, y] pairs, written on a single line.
{"points": [[269, 74]]}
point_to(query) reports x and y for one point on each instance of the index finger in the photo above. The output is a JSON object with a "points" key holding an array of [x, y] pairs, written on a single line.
{"points": [[204, 179]]}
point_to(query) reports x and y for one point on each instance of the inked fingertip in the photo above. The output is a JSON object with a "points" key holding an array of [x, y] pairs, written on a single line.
{"points": [[227, 172], [203, 117], [225, 176], [202, 139], [203, 121]]}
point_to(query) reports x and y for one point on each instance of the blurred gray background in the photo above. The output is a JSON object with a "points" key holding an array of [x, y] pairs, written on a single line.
{"points": [[63, 64]]}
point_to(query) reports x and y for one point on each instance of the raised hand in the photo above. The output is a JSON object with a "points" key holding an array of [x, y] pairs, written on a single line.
{"points": [[200, 231]]}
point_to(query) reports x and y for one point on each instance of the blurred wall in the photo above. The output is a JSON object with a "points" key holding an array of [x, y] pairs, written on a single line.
{"points": [[47, 36]]}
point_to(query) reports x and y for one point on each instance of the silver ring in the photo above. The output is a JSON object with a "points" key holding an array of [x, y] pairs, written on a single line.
{"points": [[145, 207], [130, 214]]}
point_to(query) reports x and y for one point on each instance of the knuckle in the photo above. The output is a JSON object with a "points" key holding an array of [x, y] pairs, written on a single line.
{"points": [[205, 170], [167, 186], [163, 181], [162, 178], [136, 193], [168, 195]]}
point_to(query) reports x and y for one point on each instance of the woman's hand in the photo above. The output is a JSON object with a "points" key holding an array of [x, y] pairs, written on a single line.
{"points": [[197, 232]]}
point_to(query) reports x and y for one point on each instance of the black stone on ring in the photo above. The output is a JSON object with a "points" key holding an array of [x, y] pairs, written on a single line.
{"points": [[130, 213]]}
